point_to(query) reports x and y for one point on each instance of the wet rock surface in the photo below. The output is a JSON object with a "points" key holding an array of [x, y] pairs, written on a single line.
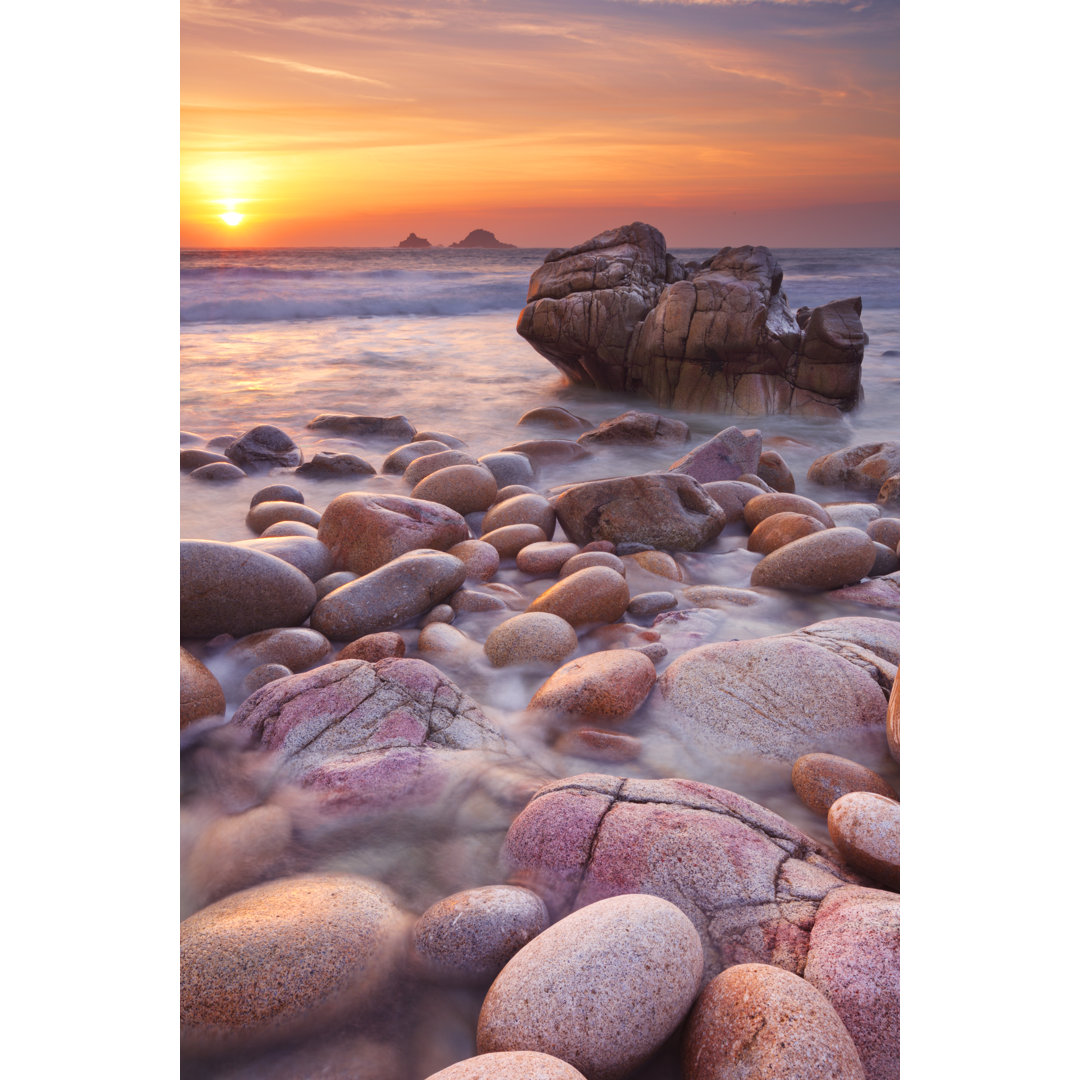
{"points": [[620, 313]]}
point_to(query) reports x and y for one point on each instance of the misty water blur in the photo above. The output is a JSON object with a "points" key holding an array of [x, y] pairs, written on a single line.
{"points": [[277, 337]]}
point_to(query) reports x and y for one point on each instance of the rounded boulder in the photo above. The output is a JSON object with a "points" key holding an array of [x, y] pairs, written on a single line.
{"points": [[364, 532], [607, 686], [464, 488], [595, 594], [531, 637], [865, 827], [825, 560], [277, 959], [510, 1065], [820, 779], [229, 589], [618, 976], [756, 1021]]}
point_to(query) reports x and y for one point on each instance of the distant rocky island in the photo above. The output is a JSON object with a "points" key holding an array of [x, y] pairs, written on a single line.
{"points": [[414, 241], [481, 238]]}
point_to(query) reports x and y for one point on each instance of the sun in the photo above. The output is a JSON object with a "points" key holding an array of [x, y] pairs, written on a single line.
{"points": [[231, 218]]}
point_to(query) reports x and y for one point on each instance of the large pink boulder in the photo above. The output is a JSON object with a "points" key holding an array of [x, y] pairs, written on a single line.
{"points": [[854, 960], [748, 881]]}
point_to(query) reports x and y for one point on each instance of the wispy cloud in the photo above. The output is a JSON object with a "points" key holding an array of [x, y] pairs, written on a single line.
{"points": [[311, 69]]}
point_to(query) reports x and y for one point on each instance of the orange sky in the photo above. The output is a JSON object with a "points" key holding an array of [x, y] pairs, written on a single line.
{"points": [[354, 123]]}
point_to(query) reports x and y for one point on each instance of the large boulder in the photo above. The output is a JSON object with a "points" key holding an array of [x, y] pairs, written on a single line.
{"points": [[601, 989], [664, 510], [393, 751], [621, 313], [854, 960], [748, 880], [783, 696]]}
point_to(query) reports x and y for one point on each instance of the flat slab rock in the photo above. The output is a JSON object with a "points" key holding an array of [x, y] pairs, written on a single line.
{"points": [[749, 881], [619, 312]]}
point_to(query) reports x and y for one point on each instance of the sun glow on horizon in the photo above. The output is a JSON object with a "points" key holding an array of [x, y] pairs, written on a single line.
{"points": [[231, 218]]}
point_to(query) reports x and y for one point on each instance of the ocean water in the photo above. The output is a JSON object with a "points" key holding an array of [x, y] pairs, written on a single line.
{"points": [[278, 336]]}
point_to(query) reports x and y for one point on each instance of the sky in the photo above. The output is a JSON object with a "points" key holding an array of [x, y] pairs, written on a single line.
{"points": [[342, 123]]}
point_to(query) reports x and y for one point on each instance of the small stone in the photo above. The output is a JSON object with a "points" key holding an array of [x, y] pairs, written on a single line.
{"points": [[263, 674], [650, 603], [859, 515], [511, 1065], [886, 561], [476, 600], [277, 493], [509, 468], [297, 647], [441, 639], [595, 594], [440, 613], [328, 466], [724, 457], [541, 452], [263, 448], [591, 558], [889, 495], [885, 530], [758, 509], [659, 563], [780, 529], [508, 540], [467, 489], [308, 554], [190, 460], [720, 596], [544, 558], [521, 510], [422, 467], [531, 637], [820, 779], [773, 469], [865, 827], [218, 472], [511, 490], [481, 559], [556, 416], [402, 456], [201, 694], [264, 514], [608, 687], [289, 528], [468, 937], [438, 436], [595, 745]]}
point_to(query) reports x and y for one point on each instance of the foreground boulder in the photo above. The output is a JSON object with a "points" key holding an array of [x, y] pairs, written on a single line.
{"points": [[664, 510], [283, 958], [854, 960], [754, 1020], [601, 989], [748, 880], [619, 312]]}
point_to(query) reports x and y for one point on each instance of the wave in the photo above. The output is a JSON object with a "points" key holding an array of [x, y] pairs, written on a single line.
{"points": [[461, 298]]}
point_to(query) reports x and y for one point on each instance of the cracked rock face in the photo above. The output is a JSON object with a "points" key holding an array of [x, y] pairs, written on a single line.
{"points": [[748, 880], [821, 688], [620, 313], [395, 749]]}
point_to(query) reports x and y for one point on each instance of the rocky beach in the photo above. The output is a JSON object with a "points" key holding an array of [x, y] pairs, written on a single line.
{"points": [[540, 663]]}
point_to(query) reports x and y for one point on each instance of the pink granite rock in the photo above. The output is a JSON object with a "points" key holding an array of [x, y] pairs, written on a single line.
{"points": [[757, 509], [595, 594], [606, 687], [854, 961], [726, 456], [509, 1065], [829, 559], [602, 989], [755, 1021], [748, 881], [284, 958], [635, 427], [865, 827]]}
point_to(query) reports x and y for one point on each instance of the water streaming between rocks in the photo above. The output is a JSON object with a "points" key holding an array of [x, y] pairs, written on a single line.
{"points": [[278, 337]]}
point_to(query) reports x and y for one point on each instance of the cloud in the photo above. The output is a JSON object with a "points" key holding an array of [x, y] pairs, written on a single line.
{"points": [[311, 69]]}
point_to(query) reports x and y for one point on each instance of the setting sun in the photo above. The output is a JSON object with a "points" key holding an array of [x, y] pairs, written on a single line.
{"points": [[231, 217]]}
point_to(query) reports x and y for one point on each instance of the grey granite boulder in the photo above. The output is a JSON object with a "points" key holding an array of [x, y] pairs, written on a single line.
{"points": [[619, 312]]}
